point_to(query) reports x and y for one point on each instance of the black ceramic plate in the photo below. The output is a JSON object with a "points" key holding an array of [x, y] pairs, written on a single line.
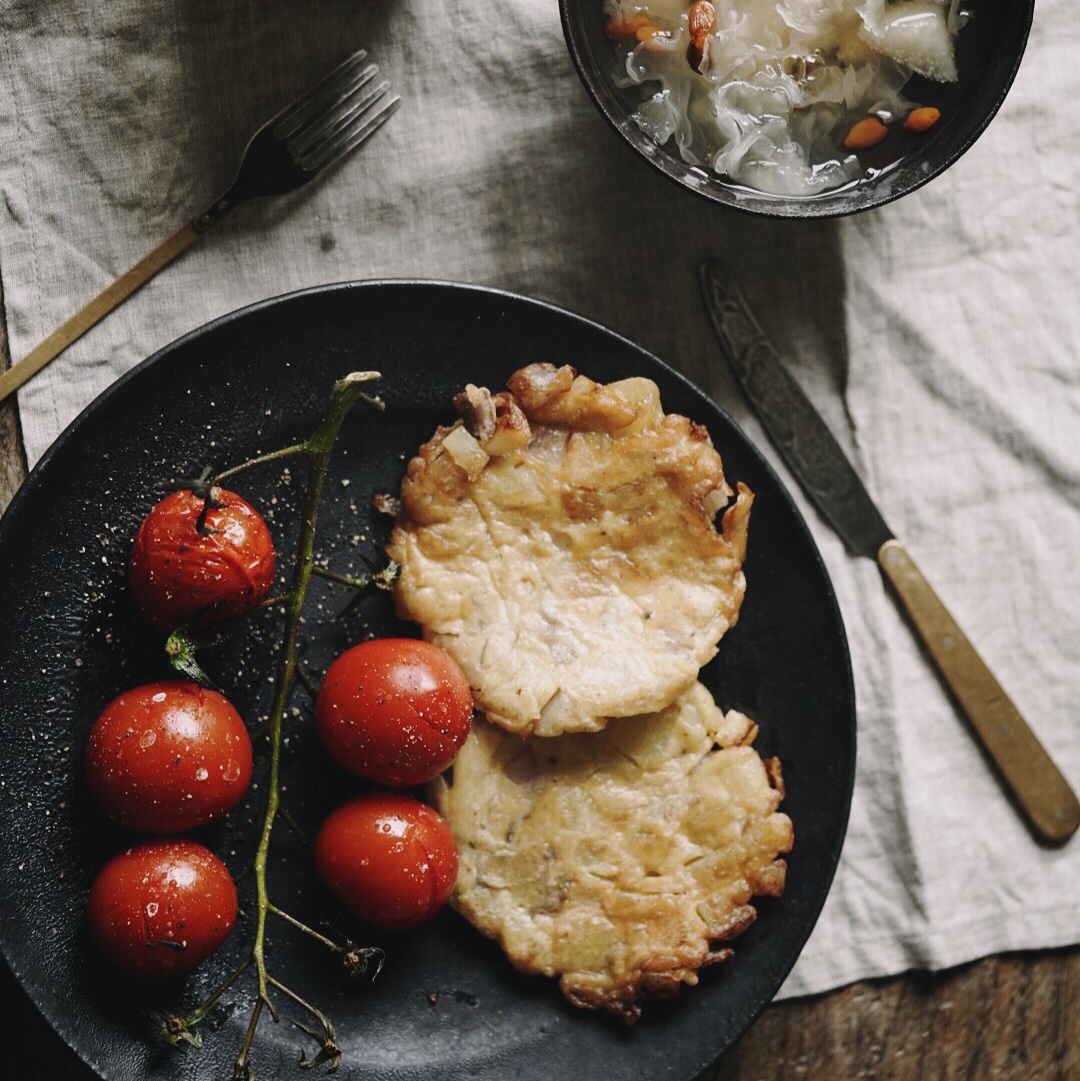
{"points": [[447, 1006], [988, 54]]}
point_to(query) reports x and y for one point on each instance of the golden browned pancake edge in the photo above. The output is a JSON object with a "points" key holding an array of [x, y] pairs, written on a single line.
{"points": [[619, 862], [559, 542]]}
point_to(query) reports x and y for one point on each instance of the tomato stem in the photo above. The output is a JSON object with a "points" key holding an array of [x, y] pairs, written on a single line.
{"points": [[328, 1052], [295, 827], [203, 1008], [180, 649], [241, 1072], [342, 579], [202, 487], [270, 602], [308, 683], [317, 448], [329, 943], [384, 580], [261, 459]]}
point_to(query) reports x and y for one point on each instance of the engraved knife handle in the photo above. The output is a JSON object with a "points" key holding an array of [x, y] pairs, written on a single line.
{"points": [[1038, 786]]}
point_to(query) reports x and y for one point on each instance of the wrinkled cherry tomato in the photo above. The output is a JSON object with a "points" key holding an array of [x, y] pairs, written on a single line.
{"points": [[394, 710], [181, 574], [168, 757], [162, 907], [388, 858]]}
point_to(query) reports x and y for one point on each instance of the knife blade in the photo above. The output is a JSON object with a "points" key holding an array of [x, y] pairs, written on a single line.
{"points": [[819, 464]]}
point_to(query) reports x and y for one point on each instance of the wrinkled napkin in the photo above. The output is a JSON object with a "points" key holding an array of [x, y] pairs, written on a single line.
{"points": [[938, 335]]}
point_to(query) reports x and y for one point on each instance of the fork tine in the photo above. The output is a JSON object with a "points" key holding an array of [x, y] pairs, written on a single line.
{"points": [[361, 128], [318, 98], [352, 102]]}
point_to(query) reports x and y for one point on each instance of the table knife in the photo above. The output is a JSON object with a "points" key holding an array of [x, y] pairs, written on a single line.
{"points": [[820, 466]]}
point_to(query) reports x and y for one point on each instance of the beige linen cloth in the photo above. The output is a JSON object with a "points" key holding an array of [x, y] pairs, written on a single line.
{"points": [[939, 336]]}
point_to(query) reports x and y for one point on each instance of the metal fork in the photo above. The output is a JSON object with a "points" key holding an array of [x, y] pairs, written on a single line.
{"points": [[314, 132]]}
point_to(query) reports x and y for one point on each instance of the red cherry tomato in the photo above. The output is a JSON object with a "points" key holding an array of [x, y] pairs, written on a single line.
{"points": [[162, 907], [394, 710], [387, 857], [168, 757], [181, 574]]}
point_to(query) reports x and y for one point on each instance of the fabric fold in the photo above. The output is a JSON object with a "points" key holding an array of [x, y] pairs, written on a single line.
{"points": [[936, 334]]}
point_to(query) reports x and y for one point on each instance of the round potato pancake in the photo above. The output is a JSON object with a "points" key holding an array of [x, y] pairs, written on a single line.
{"points": [[559, 542], [622, 861]]}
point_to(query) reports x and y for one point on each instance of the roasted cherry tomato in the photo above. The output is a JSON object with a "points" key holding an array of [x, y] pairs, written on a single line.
{"points": [[394, 710], [184, 571], [168, 757], [162, 907], [387, 857]]}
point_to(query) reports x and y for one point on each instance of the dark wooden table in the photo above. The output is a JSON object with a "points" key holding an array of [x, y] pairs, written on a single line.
{"points": [[1012, 1018]]}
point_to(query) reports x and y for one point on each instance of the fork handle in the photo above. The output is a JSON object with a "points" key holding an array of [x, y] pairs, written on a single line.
{"points": [[98, 308], [1038, 786]]}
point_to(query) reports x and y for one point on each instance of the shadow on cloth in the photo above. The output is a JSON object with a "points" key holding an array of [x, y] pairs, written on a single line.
{"points": [[628, 243]]}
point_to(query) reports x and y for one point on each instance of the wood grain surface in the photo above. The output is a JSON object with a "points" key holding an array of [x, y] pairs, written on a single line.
{"points": [[1010, 1018]]}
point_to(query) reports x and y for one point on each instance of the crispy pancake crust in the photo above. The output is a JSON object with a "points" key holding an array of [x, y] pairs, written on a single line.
{"points": [[559, 543], [621, 862]]}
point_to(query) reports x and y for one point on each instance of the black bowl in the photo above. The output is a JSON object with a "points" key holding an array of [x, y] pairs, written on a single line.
{"points": [[989, 50]]}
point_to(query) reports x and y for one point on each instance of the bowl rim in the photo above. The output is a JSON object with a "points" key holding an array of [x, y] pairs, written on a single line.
{"points": [[718, 191]]}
